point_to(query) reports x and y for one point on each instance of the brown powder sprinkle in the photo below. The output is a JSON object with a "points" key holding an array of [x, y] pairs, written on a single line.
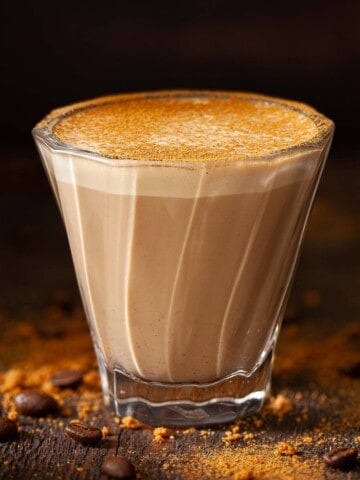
{"points": [[160, 434], [13, 415], [244, 475], [280, 405], [130, 422], [187, 431], [185, 126], [308, 440], [229, 437], [242, 462], [11, 379], [284, 448], [84, 408]]}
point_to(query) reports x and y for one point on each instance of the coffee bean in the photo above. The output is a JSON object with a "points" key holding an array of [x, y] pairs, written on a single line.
{"points": [[35, 403], [67, 379], [341, 457], [8, 429], [83, 433], [118, 467]]}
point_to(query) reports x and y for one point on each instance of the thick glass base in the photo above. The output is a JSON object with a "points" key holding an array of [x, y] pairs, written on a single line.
{"points": [[154, 403]]}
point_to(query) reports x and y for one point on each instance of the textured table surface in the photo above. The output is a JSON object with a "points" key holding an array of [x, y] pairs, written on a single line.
{"points": [[316, 388]]}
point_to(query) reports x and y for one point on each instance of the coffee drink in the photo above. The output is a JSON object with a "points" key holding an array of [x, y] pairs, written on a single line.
{"points": [[185, 212]]}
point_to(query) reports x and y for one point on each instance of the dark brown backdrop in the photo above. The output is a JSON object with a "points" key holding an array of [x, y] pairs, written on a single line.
{"points": [[56, 53]]}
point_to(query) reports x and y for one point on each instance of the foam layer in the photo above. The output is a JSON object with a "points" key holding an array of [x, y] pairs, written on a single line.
{"points": [[186, 126], [180, 182]]}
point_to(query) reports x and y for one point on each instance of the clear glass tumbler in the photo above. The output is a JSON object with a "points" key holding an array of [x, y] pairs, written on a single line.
{"points": [[184, 267]]}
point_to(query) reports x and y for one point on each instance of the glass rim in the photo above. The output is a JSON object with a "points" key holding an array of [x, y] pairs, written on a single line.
{"points": [[43, 131]]}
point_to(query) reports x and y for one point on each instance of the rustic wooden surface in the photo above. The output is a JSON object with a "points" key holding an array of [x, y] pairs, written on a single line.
{"points": [[38, 333]]}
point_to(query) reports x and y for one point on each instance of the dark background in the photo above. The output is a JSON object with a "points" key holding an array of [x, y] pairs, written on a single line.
{"points": [[56, 53]]}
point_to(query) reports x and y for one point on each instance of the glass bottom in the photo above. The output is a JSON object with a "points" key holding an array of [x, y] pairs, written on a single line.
{"points": [[235, 396]]}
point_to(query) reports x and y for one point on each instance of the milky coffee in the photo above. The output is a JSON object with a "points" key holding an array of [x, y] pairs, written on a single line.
{"points": [[182, 211]]}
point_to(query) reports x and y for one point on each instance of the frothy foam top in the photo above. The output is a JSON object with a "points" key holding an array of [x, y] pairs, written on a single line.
{"points": [[186, 126]]}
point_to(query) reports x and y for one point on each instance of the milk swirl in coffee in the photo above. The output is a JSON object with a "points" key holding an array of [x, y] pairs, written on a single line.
{"points": [[180, 236]]}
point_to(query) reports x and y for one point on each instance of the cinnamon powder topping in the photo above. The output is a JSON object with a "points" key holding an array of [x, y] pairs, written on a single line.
{"points": [[185, 126]]}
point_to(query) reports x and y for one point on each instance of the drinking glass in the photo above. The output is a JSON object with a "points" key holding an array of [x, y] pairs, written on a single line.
{"points": [[184, 268]]}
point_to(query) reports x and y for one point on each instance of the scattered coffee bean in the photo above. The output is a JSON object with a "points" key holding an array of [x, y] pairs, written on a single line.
{"points": [[8, 429], [67, 379], [35, 403], [341, 457], [118, 467], [352, 370], [83, 433]]}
